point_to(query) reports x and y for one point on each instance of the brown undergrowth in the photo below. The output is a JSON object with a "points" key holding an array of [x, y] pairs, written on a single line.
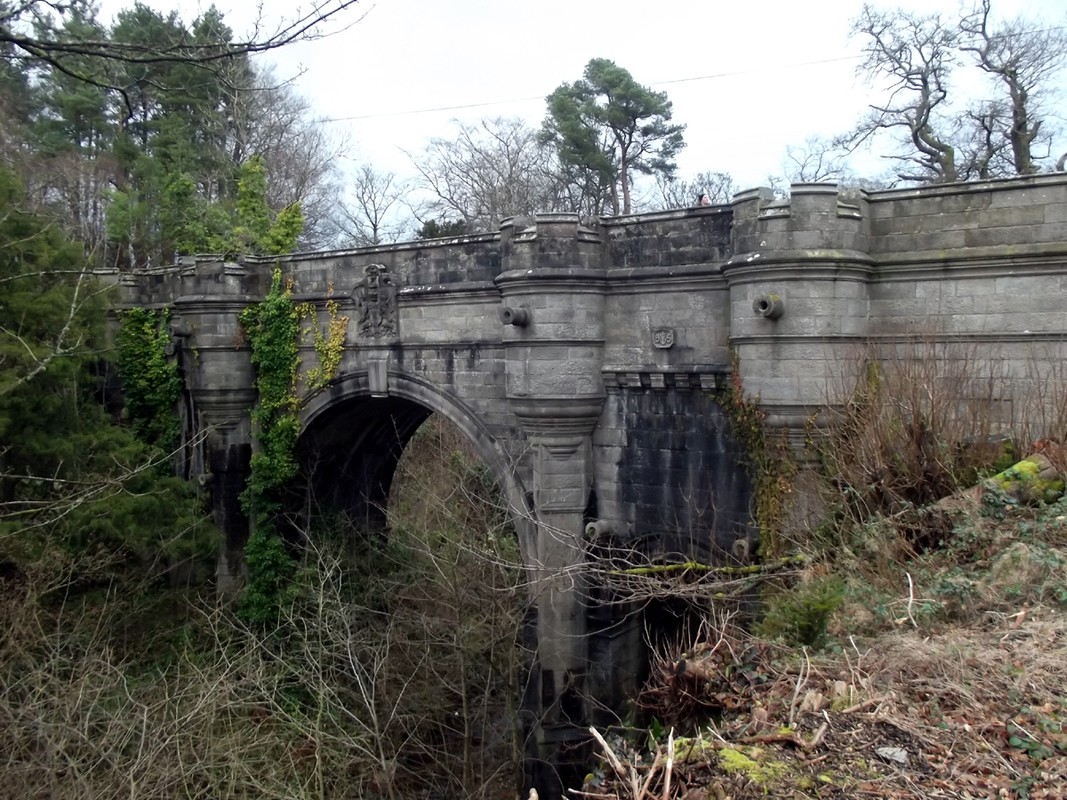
{"points": [[920, 648], [966, 713], [391, 674]]}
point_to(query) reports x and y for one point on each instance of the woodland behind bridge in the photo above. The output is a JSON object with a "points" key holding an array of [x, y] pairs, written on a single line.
{"points": [[132, 131], [393, 669]]}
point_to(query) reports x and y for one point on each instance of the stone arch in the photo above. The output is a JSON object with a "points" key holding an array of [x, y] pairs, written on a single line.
{"points": [[390, 419]]}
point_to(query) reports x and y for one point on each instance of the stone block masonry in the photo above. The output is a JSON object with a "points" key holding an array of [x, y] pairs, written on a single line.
{"points": [[582, 360]]}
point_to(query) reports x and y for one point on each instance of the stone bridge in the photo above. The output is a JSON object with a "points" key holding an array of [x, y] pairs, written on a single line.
{"points": [[583, 361]]}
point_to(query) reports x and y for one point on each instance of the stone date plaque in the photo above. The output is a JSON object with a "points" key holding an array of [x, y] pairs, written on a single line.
{"points": [[663, 338]]}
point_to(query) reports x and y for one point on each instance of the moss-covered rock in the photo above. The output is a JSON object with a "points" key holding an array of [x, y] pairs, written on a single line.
{"points": [[1033, 480]]}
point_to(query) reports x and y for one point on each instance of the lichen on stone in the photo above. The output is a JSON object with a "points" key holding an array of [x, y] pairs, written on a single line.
{"points": [[1032, 480]]}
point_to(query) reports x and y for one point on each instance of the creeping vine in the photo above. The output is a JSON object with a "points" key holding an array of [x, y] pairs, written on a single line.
{"points": [[151, 385], [273, 327], [769, 465], [329, 345]]}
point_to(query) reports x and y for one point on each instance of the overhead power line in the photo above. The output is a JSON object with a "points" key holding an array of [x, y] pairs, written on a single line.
{"points": [[692, 79]]}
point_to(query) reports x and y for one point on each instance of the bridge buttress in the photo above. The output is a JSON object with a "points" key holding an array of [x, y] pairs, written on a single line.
{"points": [[553, 313], [209, 296]]}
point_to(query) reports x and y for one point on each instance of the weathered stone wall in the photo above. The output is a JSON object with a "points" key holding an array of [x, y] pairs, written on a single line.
{"points": [[582, 361], [668, 467], [461, 259], [981, 267]]}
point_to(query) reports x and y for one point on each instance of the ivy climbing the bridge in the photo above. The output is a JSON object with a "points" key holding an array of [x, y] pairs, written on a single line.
{"points": [[272, 327], [329, 344], [151, 385]]}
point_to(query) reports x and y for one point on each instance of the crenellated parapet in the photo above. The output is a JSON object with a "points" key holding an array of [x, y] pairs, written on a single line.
{"points": [[820, 277], [817, 219]]}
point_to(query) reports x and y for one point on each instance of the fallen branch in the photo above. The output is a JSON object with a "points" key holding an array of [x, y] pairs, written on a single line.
{"points": [[798, 741], [616, 764], [709, 569]]}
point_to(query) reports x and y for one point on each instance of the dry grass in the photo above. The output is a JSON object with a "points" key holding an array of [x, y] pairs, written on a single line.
{"points": [[969, 714]]}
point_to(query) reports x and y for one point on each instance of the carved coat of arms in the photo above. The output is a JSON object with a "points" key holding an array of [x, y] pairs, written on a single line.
{"points": [[375, 298]]}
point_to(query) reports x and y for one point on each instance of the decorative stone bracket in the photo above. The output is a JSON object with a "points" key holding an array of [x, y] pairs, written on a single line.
{"points": [[684, 379]]}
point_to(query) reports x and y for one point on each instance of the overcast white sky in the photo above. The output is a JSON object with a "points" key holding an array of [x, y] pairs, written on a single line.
{"points": [[747, 78]]}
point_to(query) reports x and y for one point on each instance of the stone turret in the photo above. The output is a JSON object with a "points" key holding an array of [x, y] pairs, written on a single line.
{"points": [[799, 298], [209, 295], [552, 294]]}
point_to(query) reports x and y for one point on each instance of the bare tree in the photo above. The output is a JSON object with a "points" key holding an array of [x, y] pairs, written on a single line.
{"points": [[273, 121], [984, 150], [941, 140], [914, 54], [369, 217], [490, 171], [821, 159], [1022, 58], [29, 28], [720, 188], [817, 159]]}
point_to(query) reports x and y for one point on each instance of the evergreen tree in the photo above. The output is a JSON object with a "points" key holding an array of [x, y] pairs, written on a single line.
{"points": [[76, 488], [258, 229], [72, 135], [609, 127], [176, 175]]}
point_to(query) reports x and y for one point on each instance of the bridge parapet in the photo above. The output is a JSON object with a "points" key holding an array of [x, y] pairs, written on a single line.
{"points": [[426, 263], [1010, 216], [676, 238]]}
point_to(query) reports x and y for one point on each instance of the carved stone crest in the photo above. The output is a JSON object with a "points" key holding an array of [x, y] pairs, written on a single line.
{"points": [[375, 297], [663, 338]]}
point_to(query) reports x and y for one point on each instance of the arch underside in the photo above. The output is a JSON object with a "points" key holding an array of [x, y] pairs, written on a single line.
{"points": [[352, 441], [349, 455]]}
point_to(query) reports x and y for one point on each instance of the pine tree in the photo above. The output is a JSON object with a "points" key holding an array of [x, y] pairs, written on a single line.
{"points": [[610, 127]]}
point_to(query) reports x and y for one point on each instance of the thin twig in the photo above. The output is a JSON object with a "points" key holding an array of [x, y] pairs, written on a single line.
{"points": [[911, 600], [650, 776], [670, 765], [802, 679], [870, 701]]}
